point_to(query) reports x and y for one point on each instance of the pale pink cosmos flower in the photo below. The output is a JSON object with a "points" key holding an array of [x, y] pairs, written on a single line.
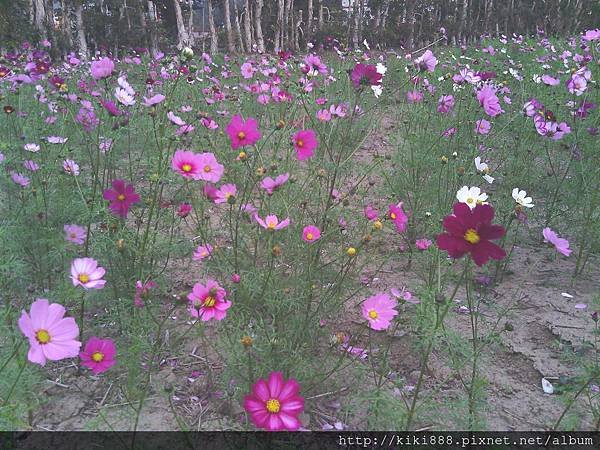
{"points": [[271, 222], [86, 273], [51, 335], [34, 148], [270, 185], [31, 165], [561, 244], [71, 167], [379, 311], [427, 61], [202, 252], [102, 68], [20, 179], [423, 244], [154, 100], [225, 193], [75, 234], [482, 126]]}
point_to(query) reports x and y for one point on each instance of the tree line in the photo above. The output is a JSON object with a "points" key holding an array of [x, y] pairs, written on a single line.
{"points": [[87, 26]]}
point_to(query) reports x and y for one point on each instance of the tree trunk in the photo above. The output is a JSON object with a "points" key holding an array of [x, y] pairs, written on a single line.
{"points": [[320, 15], [260, 42], [356, 17], [39, 14], [297, 31], [309, 19], [81, 41], [190, 28], [286, 25], [238, 29], [214, 38], [279, 44], [462, 27], [227, 17], [66, 25], [182, 36], [247, 27], [152, 31]]}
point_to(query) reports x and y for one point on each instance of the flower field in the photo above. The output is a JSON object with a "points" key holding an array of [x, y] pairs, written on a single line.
{"points": [[337, 240]]}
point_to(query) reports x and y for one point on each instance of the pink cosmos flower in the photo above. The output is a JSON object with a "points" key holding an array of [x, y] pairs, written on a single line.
{"points": [[379, 311], [274, 405], [482, 126], [414, 96], [365, 74], [98, 355], [371, 213], [305, 143], [71, 167], [184, 210], [324, 115], [225, 193], [242, 132], [271, 222], [209, 168], [102, 68], [489, 101], [87, 118], [34, 148], [561, 244], [86, 273], [51, 335], [270, 185], [427, 61], [31, 165], [208, 301], [20, 179], [423, 244], [202, 252], [311, 234], [396, 213], [75, 234], [445, 104], [550, 80], [187, 164], [121, 197], [154, 100]]}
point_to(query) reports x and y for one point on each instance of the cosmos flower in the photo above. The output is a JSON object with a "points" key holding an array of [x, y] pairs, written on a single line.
{"points": [[98, 355], [51, 335], [489, 101], [121, 197], [311, 234], [86, 273], [471, 231], [71, 167], [102, 68], [75, 234], [561, 244], [426, 62], [305, 143], [19, 179], [202, 252], [242, 132], [482, 126], [270, 185], [521, 198], [365, 74], [274, 405], [142, 290], [445, 104], [226, 193], [398, 216], [208, 301], [472, 196], [271, 222], [379, 311]]}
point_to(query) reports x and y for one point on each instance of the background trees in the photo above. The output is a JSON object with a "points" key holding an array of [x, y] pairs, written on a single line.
{"points": [[266, 25]]}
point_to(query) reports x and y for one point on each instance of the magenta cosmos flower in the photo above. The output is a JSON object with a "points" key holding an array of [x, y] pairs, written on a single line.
{"points": [[98, 355], [275, 405], [305, 143], [396, 213], [86, 273], [379, 311], [208, 301], [561, 244], [75, 234], [470, 231], [366, 75], [51, 335], [311, 234], [242, 132], [271, 222], [121, 197], [102, 68]]}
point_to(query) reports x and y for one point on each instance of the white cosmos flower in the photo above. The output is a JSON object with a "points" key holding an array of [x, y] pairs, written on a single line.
{"points": [[472, 196], [521, 198], [123, 97], [381, 69], [377, 90], [483, 167]]}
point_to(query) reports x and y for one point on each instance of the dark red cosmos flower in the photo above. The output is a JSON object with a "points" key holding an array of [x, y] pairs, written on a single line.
{"points": [[121, 197], [365, 74], [470, 231]]}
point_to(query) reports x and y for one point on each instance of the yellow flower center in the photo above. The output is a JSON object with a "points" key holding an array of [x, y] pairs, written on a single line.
{"points": [[73, 235], [186, 167], [271, 225], [273, 406], [373, 314], [393, 216], [471, 236], [42, 336], [207, 168], [97, 356], [209, 302], [300, 143], [309, 236], [120, 197], [84, 278], [470, 200], [241, 135]]}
